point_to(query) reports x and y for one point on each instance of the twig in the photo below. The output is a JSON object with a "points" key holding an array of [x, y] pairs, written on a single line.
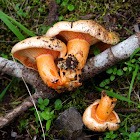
{"points": [[93, 66]]}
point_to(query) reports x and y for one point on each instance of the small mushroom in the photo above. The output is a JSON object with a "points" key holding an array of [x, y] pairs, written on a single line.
{"points": [[79, 36], [40, 53], [100, 116]]}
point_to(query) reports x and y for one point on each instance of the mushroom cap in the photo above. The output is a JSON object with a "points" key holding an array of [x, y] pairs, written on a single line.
{"points": [[92, 124], [92, 30], [27, 50]]}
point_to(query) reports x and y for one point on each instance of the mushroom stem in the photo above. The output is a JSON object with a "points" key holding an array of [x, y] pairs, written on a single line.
{"points": [[48, 70], [105, 107], [77, 52], [79, 48]]}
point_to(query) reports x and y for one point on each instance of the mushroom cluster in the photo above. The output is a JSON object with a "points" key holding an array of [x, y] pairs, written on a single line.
{"points": [[60, 65], [79, 36], [99, 116]]}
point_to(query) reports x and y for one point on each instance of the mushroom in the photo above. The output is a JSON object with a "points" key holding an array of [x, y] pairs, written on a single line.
{"points": [[100, 116], [40, 53], [79, 36]]}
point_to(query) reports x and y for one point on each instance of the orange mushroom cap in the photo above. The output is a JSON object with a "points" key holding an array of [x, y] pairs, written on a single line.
{"points": [[39, 53], [84, 29], [102, 118], [27, 50]]}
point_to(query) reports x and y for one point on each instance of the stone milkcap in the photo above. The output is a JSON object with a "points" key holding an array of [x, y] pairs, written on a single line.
{"points": [[83, 29], [40, 53], [27, 50], [100, 116]]}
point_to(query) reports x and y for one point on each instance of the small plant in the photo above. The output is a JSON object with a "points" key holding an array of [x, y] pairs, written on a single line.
{"points": [[19, 10], [110, 135], [113, 73], [134, 136], [65, 5], [47, 113]]}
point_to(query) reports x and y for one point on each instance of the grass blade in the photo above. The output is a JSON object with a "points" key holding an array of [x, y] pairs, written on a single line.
{"points": [[11, 26], [128, 31], [112, 94], [4, 91], [20, 25], [132, 82], [138, 49], [124, 132]]}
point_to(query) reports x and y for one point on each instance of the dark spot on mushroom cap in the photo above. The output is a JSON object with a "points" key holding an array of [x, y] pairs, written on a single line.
{"points": [[53, 38], [72, 24], [38, 37], [45, 41]]}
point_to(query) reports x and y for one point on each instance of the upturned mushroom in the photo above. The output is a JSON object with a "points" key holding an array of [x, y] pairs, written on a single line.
{"points": [[79, 36], [40, 53], [100, 116]]}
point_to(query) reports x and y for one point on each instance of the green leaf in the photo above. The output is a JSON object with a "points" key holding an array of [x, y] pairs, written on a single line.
{"points": [[70, 7], [18, 24], [133, 60], [96, 51], [58, 104], [114, 136], [107, 81], [125, 69], [109, 71], [46, 102], [17, 6], [11, 26], [48, 109], [40, 101], [102, 84], [37, 119], [119, 72], [42, 107], [65, 2], [4, 91], [58, 1], [46, 115], [115, 71], [48, 124], [112, 77]]}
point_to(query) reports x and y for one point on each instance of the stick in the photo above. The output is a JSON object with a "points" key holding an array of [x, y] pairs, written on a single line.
{"points": [[111, 56], [93, 66]]}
